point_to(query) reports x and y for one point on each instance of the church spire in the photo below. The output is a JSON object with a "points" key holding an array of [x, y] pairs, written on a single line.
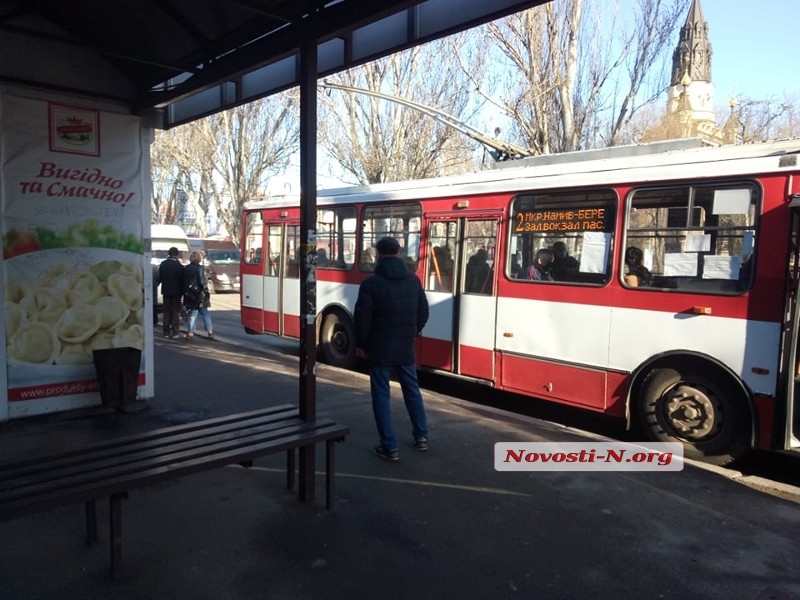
{"points": [[692, 57]]}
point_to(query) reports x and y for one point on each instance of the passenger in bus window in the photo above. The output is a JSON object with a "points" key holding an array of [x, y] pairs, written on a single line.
{"points": [[368, 259], [638, 275], [322, 257], [516, 268], [274, 264], [745, 274], [565, 267], [540, 269], [479, 274], [442, 268]]}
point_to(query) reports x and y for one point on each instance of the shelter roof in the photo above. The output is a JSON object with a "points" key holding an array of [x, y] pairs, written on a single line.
{"points": [[178, 60]]}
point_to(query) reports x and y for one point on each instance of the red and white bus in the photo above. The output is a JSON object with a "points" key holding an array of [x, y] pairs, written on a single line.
{"points": [[702, 349]]}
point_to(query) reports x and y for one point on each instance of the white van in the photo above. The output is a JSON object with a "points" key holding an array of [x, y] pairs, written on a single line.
{"points": [[162, 238]]}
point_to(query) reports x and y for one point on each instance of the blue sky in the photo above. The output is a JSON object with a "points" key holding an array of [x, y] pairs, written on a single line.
{"points": [[756, 52], [755, 47]]}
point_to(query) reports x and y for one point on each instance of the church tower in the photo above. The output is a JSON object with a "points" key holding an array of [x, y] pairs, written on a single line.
{"points": [[690, 97], [690, 85]]}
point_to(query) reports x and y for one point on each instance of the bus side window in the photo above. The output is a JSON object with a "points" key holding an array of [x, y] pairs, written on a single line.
{"points": [[251, 252], [336, 237], [698, 238], [577, 226]]}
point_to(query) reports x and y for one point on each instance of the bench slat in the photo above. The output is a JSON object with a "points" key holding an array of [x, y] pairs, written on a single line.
{"points": [[92, 457], [123, 482], [15, 465], [165, 454]]}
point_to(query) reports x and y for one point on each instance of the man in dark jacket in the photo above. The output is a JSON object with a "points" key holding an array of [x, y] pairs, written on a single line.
{"points": [[170, 274], [390, 313]]}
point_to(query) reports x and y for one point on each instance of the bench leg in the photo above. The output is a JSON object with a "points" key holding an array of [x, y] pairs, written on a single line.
{"points": [[305, 488], [290, 468], [115, 522], [330, 474], [91, 522]]}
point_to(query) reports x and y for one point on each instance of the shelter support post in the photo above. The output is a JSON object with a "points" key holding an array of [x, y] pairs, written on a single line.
{"points": [[308, 254]]}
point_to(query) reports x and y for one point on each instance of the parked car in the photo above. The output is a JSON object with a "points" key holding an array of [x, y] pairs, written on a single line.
{"points": [[221, 262]]}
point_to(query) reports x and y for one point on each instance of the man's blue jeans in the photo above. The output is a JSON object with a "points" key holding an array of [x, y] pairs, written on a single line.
{"points": [[379, 376]]}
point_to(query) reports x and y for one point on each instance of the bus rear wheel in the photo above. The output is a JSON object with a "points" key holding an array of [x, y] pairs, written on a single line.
{"points": [[338, 341], [707, 416]]}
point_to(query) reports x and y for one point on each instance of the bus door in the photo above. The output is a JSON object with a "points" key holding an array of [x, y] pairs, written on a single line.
{"points": [[791, 437], [460, 286], [282, 281], [251, 272], [277, 291]]}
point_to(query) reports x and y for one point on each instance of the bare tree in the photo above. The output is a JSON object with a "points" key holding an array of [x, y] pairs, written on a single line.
{"points": [[376, 140], [171, 172], [226, 159], [768, 119], [252, 143], [656, 23], [574, 76]]}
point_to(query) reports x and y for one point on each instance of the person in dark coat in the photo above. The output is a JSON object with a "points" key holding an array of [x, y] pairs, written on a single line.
{"points": [[390, 312], [170, 275], [479, 273], [155, 269], [565, 267], [539, 270], [638, 275], [196, 298]]}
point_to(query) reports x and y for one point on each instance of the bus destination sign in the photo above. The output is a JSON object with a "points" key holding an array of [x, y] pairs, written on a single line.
{"points": [[583, 219]]}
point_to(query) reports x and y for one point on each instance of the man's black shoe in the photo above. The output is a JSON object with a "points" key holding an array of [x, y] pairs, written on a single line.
{"points": [[387, 454]]}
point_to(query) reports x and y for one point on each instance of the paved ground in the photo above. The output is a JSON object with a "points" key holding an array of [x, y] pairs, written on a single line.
{"points": [[443, 524]]}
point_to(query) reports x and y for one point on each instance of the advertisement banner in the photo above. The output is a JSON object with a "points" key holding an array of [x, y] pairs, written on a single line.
{"points": [[73, 248]]}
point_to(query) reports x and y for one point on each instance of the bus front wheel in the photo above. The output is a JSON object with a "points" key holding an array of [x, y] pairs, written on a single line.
{"points": [[338, 341], [707, 416]]}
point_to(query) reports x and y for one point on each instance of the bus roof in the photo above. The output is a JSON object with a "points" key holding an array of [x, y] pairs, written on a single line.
{"points": [[661, 161]]}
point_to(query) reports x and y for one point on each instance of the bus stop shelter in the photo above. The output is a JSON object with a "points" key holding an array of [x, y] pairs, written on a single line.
{"points": [[82, 87]]}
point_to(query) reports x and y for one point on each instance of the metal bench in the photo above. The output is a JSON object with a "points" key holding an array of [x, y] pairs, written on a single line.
{"points": [[116, 466]]}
